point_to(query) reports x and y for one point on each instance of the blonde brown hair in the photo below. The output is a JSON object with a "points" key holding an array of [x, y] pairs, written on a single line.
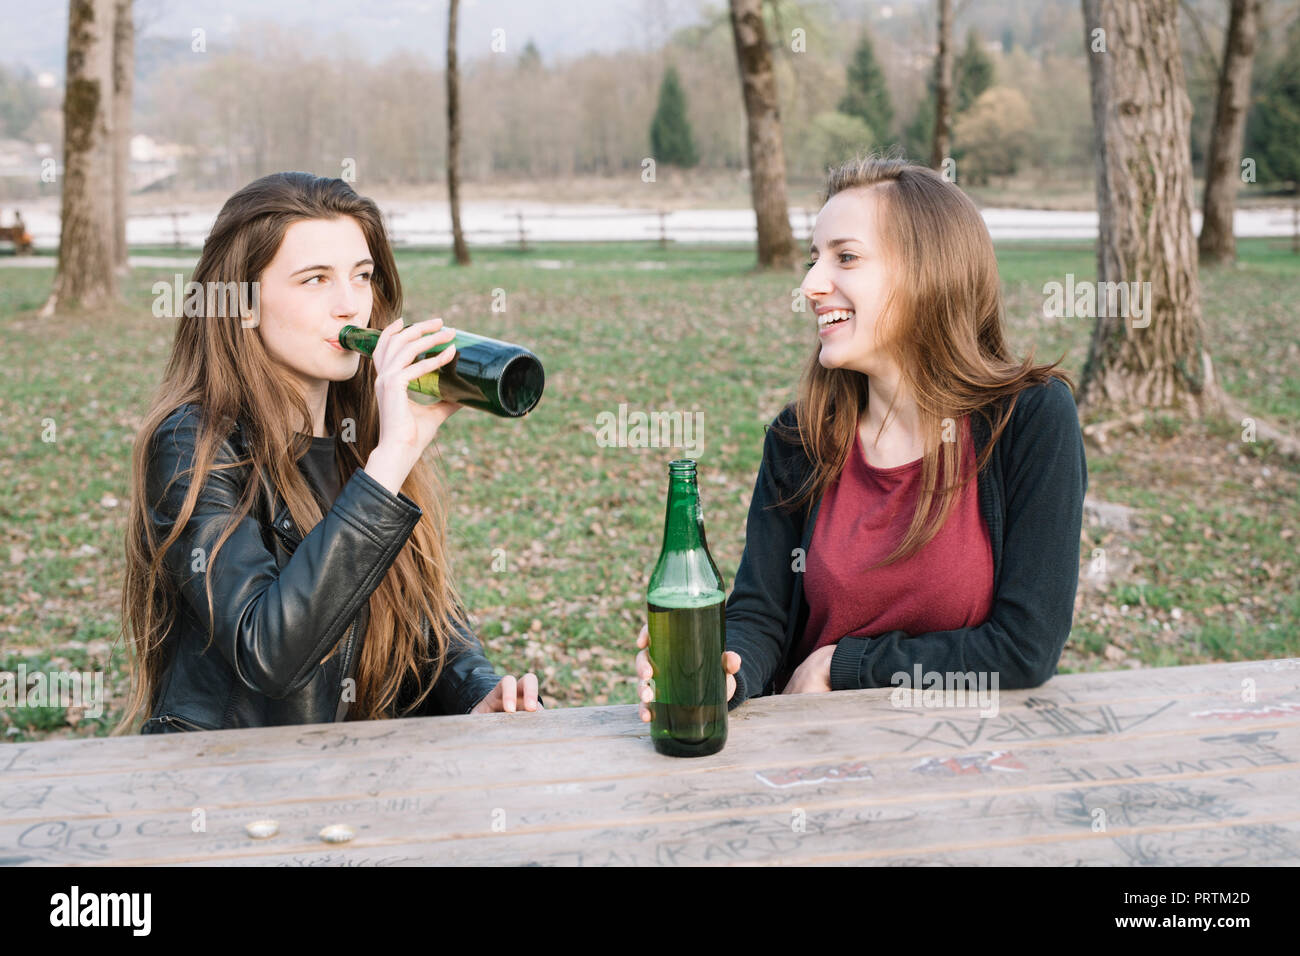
{"points": [[944, 322], [225, 368]]}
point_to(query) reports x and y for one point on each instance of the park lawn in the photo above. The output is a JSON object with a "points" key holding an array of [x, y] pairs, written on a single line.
{"points": [[553, 535]]}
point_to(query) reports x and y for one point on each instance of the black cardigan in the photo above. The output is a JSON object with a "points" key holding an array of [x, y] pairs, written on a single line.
{"points": [[1031, 497]]}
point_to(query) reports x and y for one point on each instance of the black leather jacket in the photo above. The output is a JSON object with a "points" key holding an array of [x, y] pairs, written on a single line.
{"points": [[281, 600]]}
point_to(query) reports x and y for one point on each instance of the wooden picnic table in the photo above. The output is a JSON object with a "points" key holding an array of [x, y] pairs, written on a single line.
{"points": [[1170, 766]]}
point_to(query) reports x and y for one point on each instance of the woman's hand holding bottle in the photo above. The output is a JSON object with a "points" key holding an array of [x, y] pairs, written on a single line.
{"points": [[644, 670], [405, 427]]}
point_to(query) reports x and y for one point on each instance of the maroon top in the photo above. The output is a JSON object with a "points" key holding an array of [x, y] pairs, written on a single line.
{"points": [[865, 512]]}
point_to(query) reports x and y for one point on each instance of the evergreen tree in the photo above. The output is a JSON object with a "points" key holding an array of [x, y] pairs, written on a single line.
{"points": [[867, 96], [671, 141], [20, 101], [530, 58], [918, 135], [974, 72], [1273, 130]]}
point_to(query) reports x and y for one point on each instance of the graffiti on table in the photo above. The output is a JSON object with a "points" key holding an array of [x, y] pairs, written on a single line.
{"points": [[811, 776], [975, 763]]}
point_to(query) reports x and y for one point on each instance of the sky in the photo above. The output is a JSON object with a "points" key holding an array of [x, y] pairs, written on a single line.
{"points": [[33, 33]]}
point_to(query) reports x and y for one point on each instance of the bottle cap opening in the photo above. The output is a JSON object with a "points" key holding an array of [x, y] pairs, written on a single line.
{"points": [[682, 467], [521, 385]]}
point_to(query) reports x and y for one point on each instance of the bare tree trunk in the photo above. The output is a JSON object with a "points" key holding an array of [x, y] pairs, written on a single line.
{"points": [[1141, 115], [1217, 243], [453, 139], [941, 145], [776, 247], [85, 275], [123, 81]]}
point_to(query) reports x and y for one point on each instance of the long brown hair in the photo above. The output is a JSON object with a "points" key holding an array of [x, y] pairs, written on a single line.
{"points": [[223, 367], [944, 327]]}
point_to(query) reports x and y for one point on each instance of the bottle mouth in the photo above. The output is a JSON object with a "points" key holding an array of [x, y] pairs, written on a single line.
{"points": [[521, 385], [682, 468]]}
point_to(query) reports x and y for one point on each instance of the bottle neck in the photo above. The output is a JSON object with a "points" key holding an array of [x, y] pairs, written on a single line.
{"points": [[365, 340], [684, 519], [358, 340]]}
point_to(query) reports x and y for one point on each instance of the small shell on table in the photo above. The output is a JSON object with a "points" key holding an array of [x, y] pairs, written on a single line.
{"points": [[337, 833], [262, 829]]}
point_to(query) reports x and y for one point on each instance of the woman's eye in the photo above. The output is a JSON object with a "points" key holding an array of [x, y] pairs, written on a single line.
{"points": [[849, 254], [810, 263], [363, 275]]}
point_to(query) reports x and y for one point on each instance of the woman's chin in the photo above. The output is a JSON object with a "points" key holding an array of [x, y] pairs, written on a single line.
{"points": [[844, 355], [341, 371], [830, 357]]}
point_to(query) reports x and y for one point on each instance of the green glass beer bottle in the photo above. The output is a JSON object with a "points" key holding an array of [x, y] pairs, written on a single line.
{"points": [[687, 609], [487, 374]]}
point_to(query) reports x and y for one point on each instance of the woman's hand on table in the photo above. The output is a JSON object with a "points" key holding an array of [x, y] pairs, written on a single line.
{"points": [[510, 696], [730, 664], [813, 676]]}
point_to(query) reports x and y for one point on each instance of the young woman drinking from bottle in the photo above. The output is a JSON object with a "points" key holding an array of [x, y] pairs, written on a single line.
{"points": [[918, 507], [286, 561]]}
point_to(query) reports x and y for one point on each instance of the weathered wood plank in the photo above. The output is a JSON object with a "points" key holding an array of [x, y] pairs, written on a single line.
{"points": [[586, 781], [447, 809], [1209, 844], [936, 734], [1217, 685], [1230, 844], [1201, 810]]}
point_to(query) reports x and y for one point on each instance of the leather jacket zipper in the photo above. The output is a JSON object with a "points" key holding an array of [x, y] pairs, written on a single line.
{"points": [[287, 533], [346, 671], [347, 649], [180, 722]]}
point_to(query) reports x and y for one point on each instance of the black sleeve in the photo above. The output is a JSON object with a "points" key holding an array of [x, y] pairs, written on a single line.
{"points": [[760, 600], [468, 675]]}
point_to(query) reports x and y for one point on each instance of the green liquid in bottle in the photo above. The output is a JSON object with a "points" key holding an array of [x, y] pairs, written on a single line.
{"points": [[686, 601], [686, 645]]}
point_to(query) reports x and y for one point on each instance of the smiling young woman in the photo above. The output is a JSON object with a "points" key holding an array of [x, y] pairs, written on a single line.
{"points": [[920, 503], [286, 560]]}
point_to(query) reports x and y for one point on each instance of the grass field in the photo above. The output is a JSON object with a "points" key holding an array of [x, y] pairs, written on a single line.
{"points": [[1209, 571]]}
